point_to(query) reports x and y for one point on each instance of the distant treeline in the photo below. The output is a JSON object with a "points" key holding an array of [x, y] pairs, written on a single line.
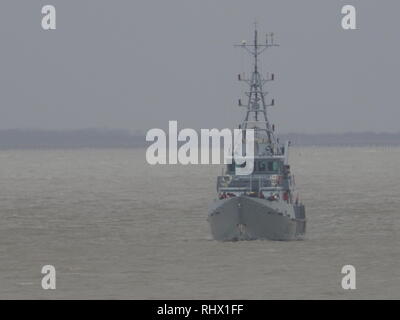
{"points": [[343, 139], [91, 138], [103, 138]]}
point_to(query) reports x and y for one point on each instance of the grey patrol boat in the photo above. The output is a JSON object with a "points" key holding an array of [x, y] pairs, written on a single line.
{"points": [[264, 204]]}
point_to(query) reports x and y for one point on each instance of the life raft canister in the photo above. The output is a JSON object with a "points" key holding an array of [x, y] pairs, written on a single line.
{"points": [[286, 196]]}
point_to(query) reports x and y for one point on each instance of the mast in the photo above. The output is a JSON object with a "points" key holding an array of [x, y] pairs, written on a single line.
{"points": [[256, 107]]}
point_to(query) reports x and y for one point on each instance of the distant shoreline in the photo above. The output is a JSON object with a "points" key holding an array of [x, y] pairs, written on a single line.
{"points": [[101, 138]]}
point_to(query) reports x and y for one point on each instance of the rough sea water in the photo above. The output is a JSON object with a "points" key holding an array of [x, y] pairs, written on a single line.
{"points": [[115, 227]]}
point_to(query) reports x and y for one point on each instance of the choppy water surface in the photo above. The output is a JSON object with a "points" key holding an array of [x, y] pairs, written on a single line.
{"points": [[116, 227]]}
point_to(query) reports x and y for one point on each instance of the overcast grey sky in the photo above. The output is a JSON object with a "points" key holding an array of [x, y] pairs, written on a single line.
{"points": [[137, 64]]}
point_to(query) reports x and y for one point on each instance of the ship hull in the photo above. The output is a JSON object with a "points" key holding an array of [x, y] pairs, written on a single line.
{"points": [[247, 218]]}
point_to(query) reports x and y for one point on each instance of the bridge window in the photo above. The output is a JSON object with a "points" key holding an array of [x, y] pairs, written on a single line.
{"points": [[260, 166], [268, 166]]}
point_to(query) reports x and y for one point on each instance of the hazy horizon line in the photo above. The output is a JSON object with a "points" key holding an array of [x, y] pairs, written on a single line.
{"points": [[122, 138]]}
